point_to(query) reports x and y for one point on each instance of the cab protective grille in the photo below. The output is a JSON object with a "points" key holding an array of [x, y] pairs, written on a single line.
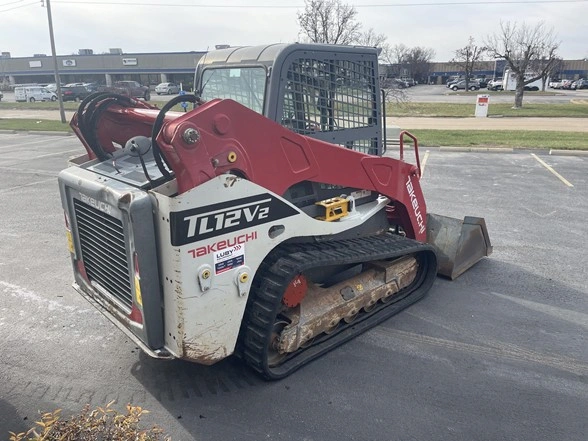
{"points": [[104, 254]]}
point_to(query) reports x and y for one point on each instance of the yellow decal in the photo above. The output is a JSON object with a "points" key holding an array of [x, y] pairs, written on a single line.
{"points": [[70, 245], [138, 297]]}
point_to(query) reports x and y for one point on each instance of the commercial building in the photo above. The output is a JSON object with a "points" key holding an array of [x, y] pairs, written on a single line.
{"points": [[439, 73], [147, 68]]}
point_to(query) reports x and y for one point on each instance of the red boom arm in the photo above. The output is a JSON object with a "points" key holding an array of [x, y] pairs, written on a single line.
{"points": [[232, 138], [223, 136]]}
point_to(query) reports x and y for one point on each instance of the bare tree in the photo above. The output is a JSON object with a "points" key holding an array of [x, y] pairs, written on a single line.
{"points": [[392, 92], [329, 21], [404, 61], [468, 58], [397, 53], [418, 62], [522, 46], [549, 68], [394, 56], [371, 39]]}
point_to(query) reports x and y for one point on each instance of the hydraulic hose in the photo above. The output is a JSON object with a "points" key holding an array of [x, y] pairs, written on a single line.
{"points": [[88, 113], [159, 158]]}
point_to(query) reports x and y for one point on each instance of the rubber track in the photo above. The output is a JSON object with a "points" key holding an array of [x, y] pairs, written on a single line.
{"points": [[289, 260]]}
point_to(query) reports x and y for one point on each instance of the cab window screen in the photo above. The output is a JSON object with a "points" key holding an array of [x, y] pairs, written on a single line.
{"points": [[329, 95], [245, 85]]}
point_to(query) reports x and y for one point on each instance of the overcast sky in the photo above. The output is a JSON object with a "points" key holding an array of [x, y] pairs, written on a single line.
{"points": [[197, 25]]}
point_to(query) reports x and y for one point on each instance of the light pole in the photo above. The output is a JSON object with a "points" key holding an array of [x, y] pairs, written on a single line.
{"points": [[55, 67]]}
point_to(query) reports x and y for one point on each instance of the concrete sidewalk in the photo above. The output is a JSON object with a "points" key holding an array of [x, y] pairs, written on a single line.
{"points": [[513, 123], [34, 114]]}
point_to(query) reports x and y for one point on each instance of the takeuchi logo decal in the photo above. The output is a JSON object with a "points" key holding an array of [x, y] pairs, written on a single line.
{"points": [[414, 202], [99, 205], [214, 220], [224, 248]]}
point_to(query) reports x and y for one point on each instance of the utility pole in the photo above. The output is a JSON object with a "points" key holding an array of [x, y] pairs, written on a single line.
{"points": [[55, 67]]}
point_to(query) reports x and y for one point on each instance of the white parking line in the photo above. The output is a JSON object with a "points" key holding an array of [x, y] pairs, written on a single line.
{"points": [[506, 351], [577, 318], [59, 153], [548, 167], [424, 163], [23, 144], [9, 189], [29, 296]]}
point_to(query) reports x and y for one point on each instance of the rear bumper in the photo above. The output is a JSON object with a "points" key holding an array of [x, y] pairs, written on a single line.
{"points": [[114, 252], [103, 308]]}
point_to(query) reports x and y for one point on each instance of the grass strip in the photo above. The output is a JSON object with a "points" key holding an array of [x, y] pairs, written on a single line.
{"points": [[38, 105], [426, 137], [439, 110], [518, 139], [46, 125]]}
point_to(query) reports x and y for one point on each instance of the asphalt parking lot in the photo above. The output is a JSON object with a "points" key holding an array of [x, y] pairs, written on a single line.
{"points": [[500, 353]]}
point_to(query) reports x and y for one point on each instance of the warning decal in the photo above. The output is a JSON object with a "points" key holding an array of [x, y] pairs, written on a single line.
{"points": [[229, 259]]}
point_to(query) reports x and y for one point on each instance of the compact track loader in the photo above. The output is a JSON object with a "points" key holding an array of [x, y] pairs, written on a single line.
{"points": [[263, 222]]}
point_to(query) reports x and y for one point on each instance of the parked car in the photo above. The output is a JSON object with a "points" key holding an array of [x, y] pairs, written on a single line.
{"points": [[483, 82], [409, 81], [472, 85], [167, 89], [582, 83], [131, 89], [566, 84], [495, 84], [74, 93], [52, 87], [561, 84], [1, 96], [454, 80], [451, 82], [92, 87], [396, 83]]}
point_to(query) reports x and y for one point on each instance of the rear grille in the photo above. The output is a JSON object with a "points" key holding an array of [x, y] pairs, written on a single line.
{"points": [[104, 253]]}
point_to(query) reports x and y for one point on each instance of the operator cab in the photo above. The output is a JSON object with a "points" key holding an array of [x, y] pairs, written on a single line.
{"points": [[327, 92]]}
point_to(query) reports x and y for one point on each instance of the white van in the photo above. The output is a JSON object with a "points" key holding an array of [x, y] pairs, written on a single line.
{"points": [[33, 93]]}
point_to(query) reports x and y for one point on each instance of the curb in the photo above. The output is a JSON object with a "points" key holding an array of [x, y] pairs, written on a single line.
{"points": [[35, 132], [50, 133], [556, 152], [394, 147], [477, 149]]}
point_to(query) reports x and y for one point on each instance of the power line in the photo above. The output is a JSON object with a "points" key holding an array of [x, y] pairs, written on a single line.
{"points": [[274, 6], [470, 3], [182, 5], [17, 7], [10, 3]]}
